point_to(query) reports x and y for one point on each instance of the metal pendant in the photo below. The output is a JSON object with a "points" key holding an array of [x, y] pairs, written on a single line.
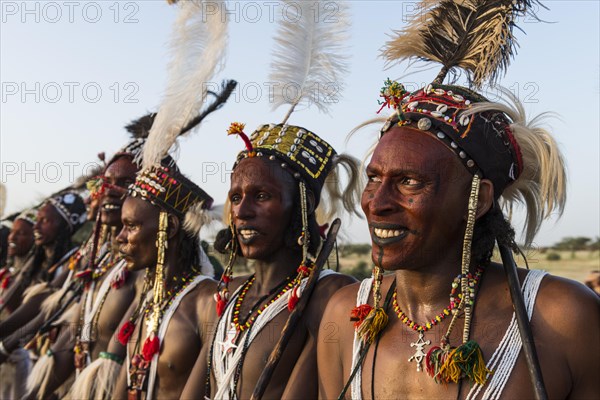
{"points": [[419, 353]]}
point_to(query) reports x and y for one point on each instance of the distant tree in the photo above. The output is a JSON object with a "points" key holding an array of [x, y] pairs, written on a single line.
{"points": [[573, 244], [595, 245]]}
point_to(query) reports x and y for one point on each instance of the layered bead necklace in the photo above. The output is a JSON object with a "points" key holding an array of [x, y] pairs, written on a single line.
{"points": [[283, 288], [452, 308]]}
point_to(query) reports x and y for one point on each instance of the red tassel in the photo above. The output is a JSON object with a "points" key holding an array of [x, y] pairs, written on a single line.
{"points": [[323, 230], [151, 347], [5, 282], [120, 279], [125, 332], [85, 274], [358, 314], [293, 300], [2, 272], [221, 304]]}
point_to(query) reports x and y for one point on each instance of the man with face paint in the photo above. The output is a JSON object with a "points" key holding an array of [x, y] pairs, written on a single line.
{"points": [[443, 322], [57, 219], [109, 291], [168, 321], [274, 194]]}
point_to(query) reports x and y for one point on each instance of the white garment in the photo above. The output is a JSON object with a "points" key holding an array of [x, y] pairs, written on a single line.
{"points": [[225, 363], [502, 361], [162, 330]]}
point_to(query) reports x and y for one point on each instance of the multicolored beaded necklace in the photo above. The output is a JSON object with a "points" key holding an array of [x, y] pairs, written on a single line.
{"points": [[283, 288], [452, 308]]}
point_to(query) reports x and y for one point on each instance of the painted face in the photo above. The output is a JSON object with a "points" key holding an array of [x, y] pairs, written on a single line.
{"points": [[118, 176], [261, 197], [92, 206], [48, 225], [137, 239], [20, 238], [415, 200]]}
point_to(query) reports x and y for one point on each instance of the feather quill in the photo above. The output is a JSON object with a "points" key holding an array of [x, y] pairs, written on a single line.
{"points": [[471, 35], [309, 58], [198, 48]]}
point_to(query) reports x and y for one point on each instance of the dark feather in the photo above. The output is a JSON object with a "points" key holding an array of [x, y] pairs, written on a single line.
{"points": [[475, 36], [220, 99], [141, 126]]}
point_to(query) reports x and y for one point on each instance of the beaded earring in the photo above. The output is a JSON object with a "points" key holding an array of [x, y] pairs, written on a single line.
{"points": [[307, 264], [222, 295], [449, 364], [152, 343]]}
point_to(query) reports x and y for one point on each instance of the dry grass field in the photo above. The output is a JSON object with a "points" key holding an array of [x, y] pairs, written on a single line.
{"points": [[355, 260], [576, 266]]}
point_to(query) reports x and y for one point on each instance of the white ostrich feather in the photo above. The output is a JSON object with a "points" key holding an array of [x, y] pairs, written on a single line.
{"points": [[198, 48], [309, 59]]}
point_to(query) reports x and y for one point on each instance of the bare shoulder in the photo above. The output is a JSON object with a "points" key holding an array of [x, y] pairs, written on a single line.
{"points": [[567, 304], [331, 283], [342, 301]]}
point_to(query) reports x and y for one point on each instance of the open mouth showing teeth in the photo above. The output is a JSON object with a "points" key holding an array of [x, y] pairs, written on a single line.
{"points": [[387, 233], [111, 207], [12, 245], [248, 234], [37, 235]]}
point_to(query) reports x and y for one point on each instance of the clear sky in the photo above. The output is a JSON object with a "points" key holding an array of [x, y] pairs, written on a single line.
{"points": [[74, 73]]}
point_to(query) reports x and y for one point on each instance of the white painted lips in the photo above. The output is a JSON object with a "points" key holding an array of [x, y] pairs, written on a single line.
{"points": [[387, 233], [111, 207]]}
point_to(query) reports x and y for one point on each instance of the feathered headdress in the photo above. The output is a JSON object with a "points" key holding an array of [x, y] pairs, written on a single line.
{"points": [[309, 60], [475, 36], [198, 48], [493, 141]]}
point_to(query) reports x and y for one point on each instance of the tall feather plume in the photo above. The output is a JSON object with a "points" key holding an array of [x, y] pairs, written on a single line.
{"points": [[473, 35], [309, 58], [198, 49]]}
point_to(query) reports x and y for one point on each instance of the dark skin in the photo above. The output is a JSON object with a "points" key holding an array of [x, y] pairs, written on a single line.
{"points": [[20, 238], [47, 226], [46, 231], [117, 175], [190, 325], [261, 197], [425, 258]]}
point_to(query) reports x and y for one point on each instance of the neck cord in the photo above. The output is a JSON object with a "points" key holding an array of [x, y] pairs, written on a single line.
{"points": [[207, 391], [363, 353]]}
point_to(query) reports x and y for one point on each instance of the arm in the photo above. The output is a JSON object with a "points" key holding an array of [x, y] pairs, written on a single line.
{"points": [[121, 386], [575, 311], [329, 360], [207, 317], [195, 386], [22, 315], [62, 353]]}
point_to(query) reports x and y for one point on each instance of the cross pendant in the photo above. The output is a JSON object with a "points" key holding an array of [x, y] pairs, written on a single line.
{"points": [[228, 345], [419, 353]]}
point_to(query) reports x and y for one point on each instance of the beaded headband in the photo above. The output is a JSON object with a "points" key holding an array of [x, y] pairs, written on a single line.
{"points": [[168, 189], [71, 208], [482, 141], [29, 216], [306, 154]]}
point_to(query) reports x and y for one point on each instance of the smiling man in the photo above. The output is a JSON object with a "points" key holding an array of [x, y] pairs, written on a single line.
{"points": [[20, 248], [275, 189], [108, 291], [432, 203]]}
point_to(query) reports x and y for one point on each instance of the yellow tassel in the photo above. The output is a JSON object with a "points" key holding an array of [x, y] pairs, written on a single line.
{"points": [[372, 325]]}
